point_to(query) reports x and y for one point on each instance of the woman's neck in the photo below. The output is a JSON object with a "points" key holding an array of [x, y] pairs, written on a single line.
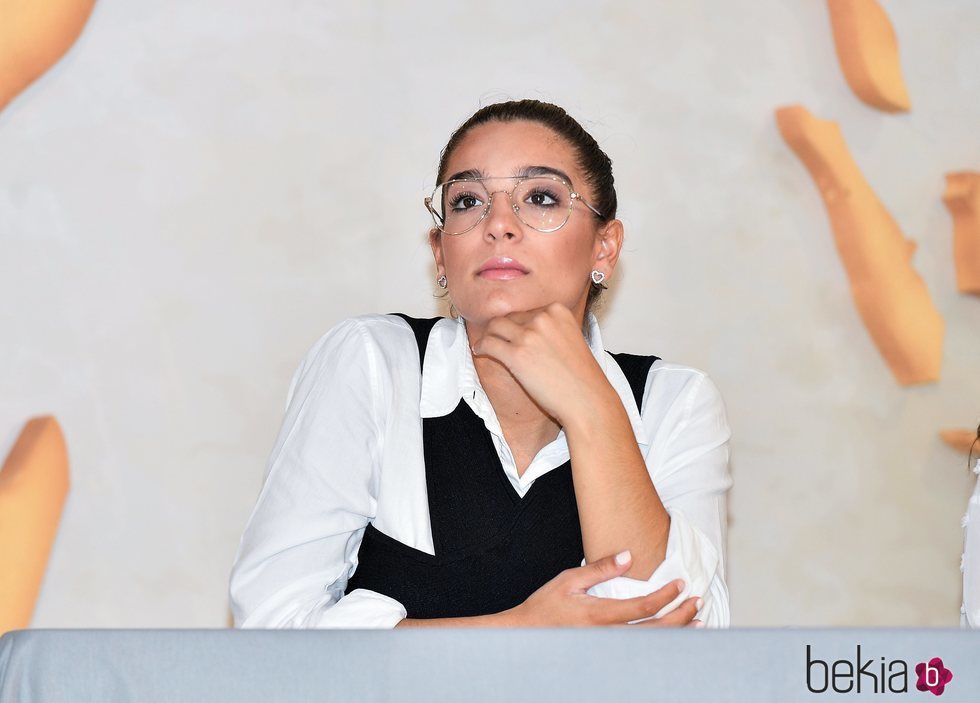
{"points": [[526, 428]]}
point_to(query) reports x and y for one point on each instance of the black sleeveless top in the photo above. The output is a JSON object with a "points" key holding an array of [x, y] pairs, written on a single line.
{"points": [[493, 548]]}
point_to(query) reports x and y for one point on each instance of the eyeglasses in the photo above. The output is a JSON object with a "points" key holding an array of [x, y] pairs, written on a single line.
{"points": [[543, 203]]}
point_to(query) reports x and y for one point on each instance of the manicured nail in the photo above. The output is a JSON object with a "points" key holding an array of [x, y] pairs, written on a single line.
{"points": [[698, 624], [698, 604], [623, 557], [680, 585]]}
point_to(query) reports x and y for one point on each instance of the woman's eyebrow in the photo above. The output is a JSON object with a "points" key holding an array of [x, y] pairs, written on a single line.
{"points": [[522, 172], [469, 175], [535, 171]]}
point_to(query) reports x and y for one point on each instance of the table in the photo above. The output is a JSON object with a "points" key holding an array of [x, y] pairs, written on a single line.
{"points": [[600, 664]]}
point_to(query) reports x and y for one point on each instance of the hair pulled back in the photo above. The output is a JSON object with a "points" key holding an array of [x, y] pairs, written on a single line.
{"points": [[969, 459]]}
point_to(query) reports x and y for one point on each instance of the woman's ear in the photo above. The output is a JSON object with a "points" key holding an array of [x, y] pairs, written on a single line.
{"points": [[609, 244], [435, 243]]}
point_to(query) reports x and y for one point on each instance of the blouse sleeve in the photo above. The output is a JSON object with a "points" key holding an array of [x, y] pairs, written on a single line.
{"points": [[688, 463], [320, 491], [970, 561]]}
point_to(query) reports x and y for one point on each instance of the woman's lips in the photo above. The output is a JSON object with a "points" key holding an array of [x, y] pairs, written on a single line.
{"points": [[501, 274], [501, 268]]}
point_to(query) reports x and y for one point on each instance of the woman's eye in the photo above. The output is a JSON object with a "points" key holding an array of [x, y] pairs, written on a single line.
{"points": [[542, 198], [465, 201]]}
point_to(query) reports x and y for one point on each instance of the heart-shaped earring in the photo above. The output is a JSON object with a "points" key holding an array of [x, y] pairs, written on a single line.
{"points": [[598, 277]]}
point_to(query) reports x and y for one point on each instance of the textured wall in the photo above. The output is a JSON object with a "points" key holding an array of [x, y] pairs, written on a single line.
{"points": [[197, 192]]}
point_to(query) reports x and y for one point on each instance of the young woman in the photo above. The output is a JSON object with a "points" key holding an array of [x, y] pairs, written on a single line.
{"points": [[499, 468], [970, 561]]}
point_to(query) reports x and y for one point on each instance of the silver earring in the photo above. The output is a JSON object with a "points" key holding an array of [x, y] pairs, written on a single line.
{"points": [[442, 281], [598, 277]]}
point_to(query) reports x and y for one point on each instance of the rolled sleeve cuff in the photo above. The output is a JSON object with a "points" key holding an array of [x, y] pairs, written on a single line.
{"points": [[690, 557], [363, 609]]}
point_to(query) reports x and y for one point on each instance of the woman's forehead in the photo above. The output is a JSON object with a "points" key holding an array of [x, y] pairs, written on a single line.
{"points": [[505, 148]]}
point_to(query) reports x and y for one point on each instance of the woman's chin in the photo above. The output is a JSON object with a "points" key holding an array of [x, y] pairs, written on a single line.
{"points": [[491, 308]]}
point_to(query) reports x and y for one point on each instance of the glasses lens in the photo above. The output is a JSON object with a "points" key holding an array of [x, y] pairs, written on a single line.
{"points": [[460, 204], [543, 203]]}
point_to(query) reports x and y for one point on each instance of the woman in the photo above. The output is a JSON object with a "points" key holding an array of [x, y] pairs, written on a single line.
{"points": [[499, 468], [970, 561]]}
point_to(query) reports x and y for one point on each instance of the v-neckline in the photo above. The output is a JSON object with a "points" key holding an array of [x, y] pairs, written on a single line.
{"points": [[515, 497]]}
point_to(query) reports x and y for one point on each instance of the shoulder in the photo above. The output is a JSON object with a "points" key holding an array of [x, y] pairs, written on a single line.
{"points": [[671, 378], [380, 347], [680, 396], [353, 348], [376, 329], [373, 334], [676, 392], [666, 381]]}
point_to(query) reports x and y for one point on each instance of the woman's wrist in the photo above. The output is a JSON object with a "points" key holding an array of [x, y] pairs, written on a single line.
{"points": [[601, 403]]}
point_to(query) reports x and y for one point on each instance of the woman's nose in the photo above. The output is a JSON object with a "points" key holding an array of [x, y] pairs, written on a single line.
{"points": [[502, 222]]}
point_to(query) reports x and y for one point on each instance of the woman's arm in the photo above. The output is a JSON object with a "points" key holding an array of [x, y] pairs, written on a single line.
{"points": [[675, 530], [319, 493], [618, 506], [494, 620], [565, 602], [685, 438]]}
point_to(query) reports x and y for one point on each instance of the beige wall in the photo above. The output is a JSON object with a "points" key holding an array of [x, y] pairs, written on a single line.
{"points": [[198, 191]]}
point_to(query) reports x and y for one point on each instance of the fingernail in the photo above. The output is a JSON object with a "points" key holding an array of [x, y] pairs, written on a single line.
{"points": [[680, 585], [623, 557], [698, 604], [698, 624]]}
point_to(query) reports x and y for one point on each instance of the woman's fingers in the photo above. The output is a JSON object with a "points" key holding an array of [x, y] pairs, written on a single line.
{"points": [[512, 328], [495, 347], [504, 328], [585, 577], [564, 600], [681, 616], [615, 611]]}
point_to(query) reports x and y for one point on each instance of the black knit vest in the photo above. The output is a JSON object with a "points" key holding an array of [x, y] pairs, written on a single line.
{"points": [[493, 548]]}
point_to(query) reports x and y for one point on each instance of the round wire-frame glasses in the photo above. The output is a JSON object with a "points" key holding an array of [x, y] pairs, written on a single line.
{"points": [[439, 194]]}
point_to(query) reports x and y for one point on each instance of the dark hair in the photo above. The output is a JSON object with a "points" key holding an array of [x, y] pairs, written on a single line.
{"points": [[969, 459], [593, 161]]}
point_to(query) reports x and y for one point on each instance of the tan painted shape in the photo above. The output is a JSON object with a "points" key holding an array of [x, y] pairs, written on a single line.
{"points": [[962, 198], [867, 50], [890, 296], [33, 487], [34, 34], [960, 440]]}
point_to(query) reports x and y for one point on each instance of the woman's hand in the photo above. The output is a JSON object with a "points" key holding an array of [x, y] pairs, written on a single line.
{"points": [[563, 602], [546, 353]]}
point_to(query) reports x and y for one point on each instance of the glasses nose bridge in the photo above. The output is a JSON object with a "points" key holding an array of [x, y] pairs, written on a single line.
{"points": [[508, 193]]}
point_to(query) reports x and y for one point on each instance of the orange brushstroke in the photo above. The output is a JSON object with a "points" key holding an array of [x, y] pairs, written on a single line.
{"points": [[960, 440], [962, 198], [34, 34], [890, 296], [867, 50], [33, 487]]}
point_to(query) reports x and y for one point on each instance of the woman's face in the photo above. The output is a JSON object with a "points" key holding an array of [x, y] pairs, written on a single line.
{"points": [[502, 265]]}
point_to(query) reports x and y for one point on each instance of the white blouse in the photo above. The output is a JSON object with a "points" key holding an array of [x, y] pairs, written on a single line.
{"points": [[350, 452], [970, 561]]}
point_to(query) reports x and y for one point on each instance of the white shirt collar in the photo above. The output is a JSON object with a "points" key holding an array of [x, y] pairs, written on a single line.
{"points": [[449, 374]]}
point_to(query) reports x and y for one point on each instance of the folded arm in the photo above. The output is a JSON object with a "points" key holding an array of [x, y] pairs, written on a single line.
{"points": [[687, 462], [301, 541]]}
